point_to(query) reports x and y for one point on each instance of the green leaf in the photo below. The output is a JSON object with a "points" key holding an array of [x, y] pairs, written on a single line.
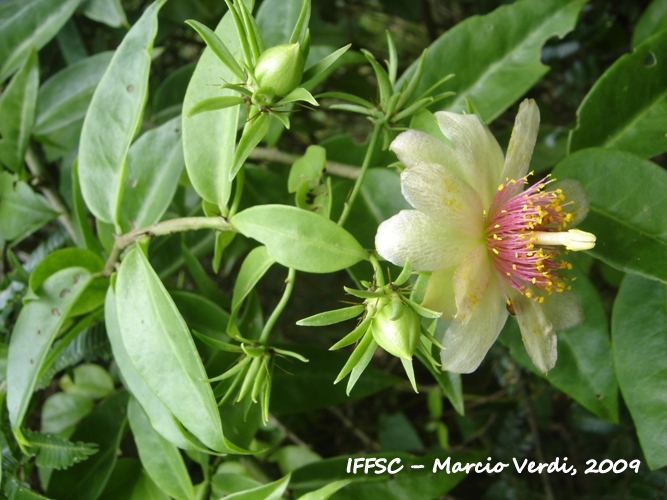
{"points": [[322, 65], [299, 239], [83, 232], [161, 418], [161, 459], [584, 369], [63, 411], [90, 380], [109, 12], [221, 51], [408, 483], [253, 132], [271, 491], [61, 259], [22, 211], [496, 57], [639, 339], [114, 117], [627, 207], [154, 166], [36, 328], [304, 387], [255, 265], [332, 317], [105, 427], [449, 382], [63, 100], [214, 103], [17, 113], [652, 21], [635, 87], [58, 453], [325, 492], [307, 169], [27, 25], [165, 354], [299, 94], [209, 139]]}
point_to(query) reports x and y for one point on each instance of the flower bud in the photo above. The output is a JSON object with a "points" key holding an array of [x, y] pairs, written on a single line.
{"points": [[279, 69], [396, 328]]}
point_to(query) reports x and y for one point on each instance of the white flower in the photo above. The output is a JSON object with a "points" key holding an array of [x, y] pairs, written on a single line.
{"points": [[492, 246]]}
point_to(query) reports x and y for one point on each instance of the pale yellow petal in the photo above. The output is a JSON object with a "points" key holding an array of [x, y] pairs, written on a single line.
{"points": [[443, 196], [471, 281], [522, 142], [537, 332], [466, 345], [414, 147], [426, 243], [476, 150], [563, 310], [439, 295]]}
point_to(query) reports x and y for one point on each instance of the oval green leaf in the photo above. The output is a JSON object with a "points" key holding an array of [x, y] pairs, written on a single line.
{"points": [[27, 25], [627, 107], [496, 57], [627, 208], [154, 166], [161, 459], [209, 139], [36, 328], [114, 117], [639, 333], [164, 353], [300, 239], [17, 113]]}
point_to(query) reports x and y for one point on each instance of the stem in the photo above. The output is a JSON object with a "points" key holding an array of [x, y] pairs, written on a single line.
{"points": [[332, 167], [362, 173], [161, 229], [37, 169], [289, 286]]}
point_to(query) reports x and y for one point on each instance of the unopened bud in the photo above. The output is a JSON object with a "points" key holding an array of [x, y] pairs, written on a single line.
{"points": [[398, 336], [279, 69]]}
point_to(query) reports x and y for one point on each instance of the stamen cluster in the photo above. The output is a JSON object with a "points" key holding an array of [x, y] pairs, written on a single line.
{"points": [[513, 221]]}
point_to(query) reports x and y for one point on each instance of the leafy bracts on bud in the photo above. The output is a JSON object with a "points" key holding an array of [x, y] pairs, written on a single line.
{"points": [[279, 69], [396, 328]]}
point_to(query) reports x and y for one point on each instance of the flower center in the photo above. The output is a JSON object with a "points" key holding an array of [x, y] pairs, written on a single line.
{"points": [[523, 234]]}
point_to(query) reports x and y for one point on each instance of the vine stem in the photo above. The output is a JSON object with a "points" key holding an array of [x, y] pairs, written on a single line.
{"points": [[161, 229], [331, 167], [289, 286], [377, 129]]}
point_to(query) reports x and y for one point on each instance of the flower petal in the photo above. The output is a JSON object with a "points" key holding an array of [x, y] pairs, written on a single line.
{"points": [[522, 142], [470, 283], [429, 245], [414, 147], [441, 195], [477, 152], [439, 295], [537, 332], [466, 345], [563, 310]]}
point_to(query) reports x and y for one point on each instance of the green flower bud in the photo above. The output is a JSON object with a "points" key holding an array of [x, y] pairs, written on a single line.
{"points": [[279, 69], [396, 328]]}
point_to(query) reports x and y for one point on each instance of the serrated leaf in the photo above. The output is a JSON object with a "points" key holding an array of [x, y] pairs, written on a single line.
{"points": [[495, 57], [57, 453], [635, 88], [300, 239], [627, 203], [639, 334], [114, 117]]}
